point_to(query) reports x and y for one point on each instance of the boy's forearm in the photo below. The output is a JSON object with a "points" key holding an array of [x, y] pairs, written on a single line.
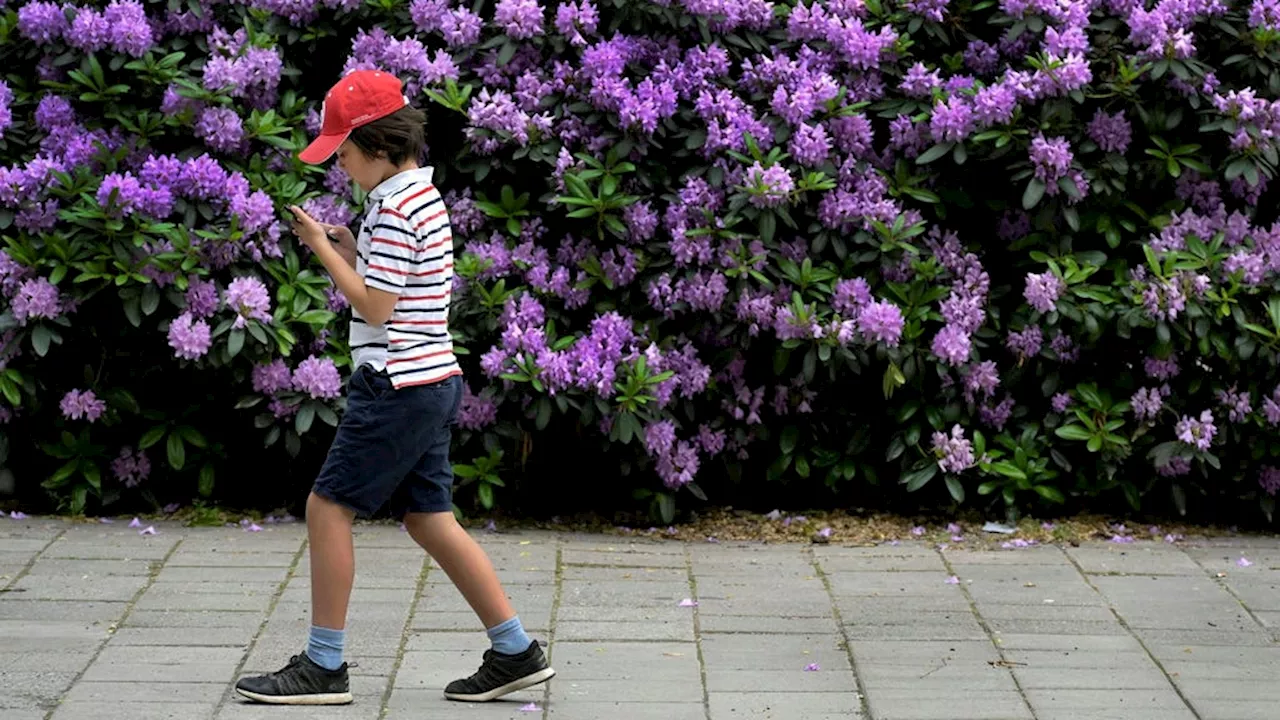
{"points": [[345, 277]]}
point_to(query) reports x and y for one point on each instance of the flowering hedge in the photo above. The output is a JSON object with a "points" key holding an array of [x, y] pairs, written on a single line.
{"points": [[1014, 254]]}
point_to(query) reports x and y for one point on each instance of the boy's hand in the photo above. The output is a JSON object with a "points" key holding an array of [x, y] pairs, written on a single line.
{"points": [[310, 232]]}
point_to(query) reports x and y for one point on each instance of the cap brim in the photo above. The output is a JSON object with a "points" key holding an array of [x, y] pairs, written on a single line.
{"points": [[321, 149]]}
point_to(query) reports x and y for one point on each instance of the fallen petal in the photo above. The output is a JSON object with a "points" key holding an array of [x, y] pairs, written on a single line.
{"points": [[136, 523], [171, 508], [812, 667], [1047, 526], [105, 520], [150, 530], [18, 515], [775, 515], [403, 528], [1122, 539], [531, 707], [825, 532], [254, 527], [688, 602], [953, 528], [917, 531], [953, 580], [1244, 562]]}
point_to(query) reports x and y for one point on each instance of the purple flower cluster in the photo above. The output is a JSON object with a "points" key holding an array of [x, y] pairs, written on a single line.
{"points": [[35, 298], [248, 297], [130, 467], [85, 404], [318, 378], [1147, 403], [6, 112], [954, 451], [1195, 432], [122, 26], [189, 337], [407, 58], [1042, 291]]}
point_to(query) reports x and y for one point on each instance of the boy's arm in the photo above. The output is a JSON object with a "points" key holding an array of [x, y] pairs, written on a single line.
{"points": [[375, 304]]}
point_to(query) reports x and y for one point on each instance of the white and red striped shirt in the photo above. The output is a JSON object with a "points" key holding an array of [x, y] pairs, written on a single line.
{"points": [[405, 246]]}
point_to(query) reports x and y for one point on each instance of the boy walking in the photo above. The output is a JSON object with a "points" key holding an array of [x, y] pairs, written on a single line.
{"points": [[403, 396]]}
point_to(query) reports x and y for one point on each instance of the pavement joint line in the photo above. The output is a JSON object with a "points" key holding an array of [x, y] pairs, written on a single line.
{"points": [[1138, 639], [863, 700], [551, 626], [423, 572], [151, 579], [1223, 584], [31, 563], [991, 636], [697, 632], [266, 618]]}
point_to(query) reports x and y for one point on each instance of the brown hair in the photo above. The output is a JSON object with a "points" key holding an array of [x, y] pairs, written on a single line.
{"points": [[399, 136]]}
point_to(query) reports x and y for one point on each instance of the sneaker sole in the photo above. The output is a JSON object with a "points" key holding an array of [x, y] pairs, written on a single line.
{"points": [[316, 699], [525, 682]]}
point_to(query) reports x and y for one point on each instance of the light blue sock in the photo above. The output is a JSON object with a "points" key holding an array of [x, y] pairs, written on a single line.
{"points": [[324, 647], [509, 638]]}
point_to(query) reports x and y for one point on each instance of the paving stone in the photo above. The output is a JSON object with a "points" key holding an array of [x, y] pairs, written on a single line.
{"points": [[621, 558], [835, 562], [642, 574], [951, 627], [33, 688], [184, 558], [151, 547], [1140, 676], [564, 689], [911, 704], [195, 577], [785, 705], [899, 584], [177, 620], [1133, 559], [1078, 643], [162, 598], [200, 672], [994, 612], [44, 660], [764, 624], [937, 680], [923, 656], [1109, 705], [178, 692], [627, 661], [606, 630], [39, 610], [133, 711], [572, 710], [59, 567], [1048, 626], [1036, 556], [670, 613], [1064, 659], [766, 603], [742, 652], [1236, 709], [790, 679], [415, 704]]}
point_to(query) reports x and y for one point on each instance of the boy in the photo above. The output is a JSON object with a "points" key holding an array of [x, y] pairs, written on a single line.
{"points": [[403, 396]]}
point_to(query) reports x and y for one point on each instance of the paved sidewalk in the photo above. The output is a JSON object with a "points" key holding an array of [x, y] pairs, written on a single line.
{"points": [[97, 621]]}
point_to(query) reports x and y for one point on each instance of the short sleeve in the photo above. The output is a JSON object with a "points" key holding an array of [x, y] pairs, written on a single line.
{"points": [[392, 246]]}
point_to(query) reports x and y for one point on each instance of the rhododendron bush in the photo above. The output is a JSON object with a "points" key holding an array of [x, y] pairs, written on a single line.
{"points": [[1012, 254]]}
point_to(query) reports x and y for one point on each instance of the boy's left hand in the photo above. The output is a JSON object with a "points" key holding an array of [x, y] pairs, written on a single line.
{"points": [[307, 229]]}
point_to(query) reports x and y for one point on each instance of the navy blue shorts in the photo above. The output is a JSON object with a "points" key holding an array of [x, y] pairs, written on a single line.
{"points": [[392, 446]]}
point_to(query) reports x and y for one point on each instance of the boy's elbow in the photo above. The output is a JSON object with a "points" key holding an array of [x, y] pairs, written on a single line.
{"points": [[381, 306]]}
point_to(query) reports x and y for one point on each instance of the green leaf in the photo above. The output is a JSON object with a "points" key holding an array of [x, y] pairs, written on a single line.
{"points": [[235, 341], [485, 493], [306, 415], [955, 488], [934, 153], [918, 479], [1072, 432], [787, 443], [1031, 196], [205, 487], [40, 339], [1050, 493], [1009, 470], [667, 507], [177, 452], [151, 437]]}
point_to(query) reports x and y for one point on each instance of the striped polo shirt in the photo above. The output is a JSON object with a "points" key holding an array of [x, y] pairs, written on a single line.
{"points": [[405, 246]]}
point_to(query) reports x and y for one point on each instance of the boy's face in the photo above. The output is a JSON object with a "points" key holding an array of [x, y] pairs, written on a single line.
{"points": [[365, 171]]}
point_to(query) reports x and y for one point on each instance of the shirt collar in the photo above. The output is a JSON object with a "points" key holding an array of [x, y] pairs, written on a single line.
{"points": [[400, 181]]}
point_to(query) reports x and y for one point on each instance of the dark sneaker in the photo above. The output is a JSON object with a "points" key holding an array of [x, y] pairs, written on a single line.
{"points": [[502, 675], [301, 682]]}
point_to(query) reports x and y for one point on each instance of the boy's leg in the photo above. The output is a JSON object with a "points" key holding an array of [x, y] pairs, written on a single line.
{"points": [[515, 661], [375, 447]]}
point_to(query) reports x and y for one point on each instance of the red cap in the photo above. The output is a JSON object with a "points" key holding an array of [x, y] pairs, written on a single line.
{"points": [[357, 99]]}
